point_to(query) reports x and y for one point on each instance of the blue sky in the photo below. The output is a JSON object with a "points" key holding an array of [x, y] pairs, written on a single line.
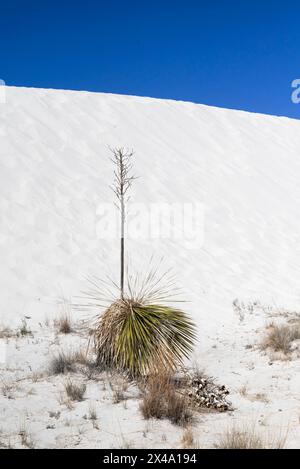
{"points": [[236, 53]]}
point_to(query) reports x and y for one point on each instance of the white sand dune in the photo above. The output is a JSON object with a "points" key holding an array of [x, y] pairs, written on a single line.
{"points": [[55, 170], [242, 168]]}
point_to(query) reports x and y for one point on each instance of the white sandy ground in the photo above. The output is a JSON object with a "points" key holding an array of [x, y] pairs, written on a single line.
{"points": [[55, 171]]}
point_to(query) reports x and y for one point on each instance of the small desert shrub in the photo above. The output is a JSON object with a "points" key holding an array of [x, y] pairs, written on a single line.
{"points": [[23, 329], [6, 332], [248, 438], [93, 416], [240, 439], [138, 338], [62, 363], [279, 337], [188, 440], [243, 390], [161, 401], [259, 396], [178, 409], [63, 399], [74, 391], [118, 395], [92, 412], [63, 324], [90, 369], [36, 376], [66, 362], [119, 386], [8, 389]]}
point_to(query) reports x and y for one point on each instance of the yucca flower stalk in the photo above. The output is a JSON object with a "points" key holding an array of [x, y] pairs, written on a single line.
{"points": [[122, 183], [138, 333]]}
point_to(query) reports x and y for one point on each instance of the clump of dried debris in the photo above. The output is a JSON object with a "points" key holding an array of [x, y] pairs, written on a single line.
{"points": [[203, 392]]}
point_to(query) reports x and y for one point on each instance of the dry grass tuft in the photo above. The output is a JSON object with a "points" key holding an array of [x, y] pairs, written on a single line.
{"points": [[26, 438], [118, 395], [243, 391], [9, 389], [161, 401], [63, 399], [6, 332], [240, 439], [23, 329], [64, 324], [119, 386], [248, 438], [74, 391], [92, 412], [62, 363], [188, 440], [66, 362], [279, 337], [259, 396], [93, 416], [37, 376]]}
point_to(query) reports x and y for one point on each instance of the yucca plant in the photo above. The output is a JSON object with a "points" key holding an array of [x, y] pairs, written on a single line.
{"points": [[142, 338], [137, 332]]}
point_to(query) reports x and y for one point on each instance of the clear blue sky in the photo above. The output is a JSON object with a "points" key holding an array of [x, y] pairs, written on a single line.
{"points": [[236, 53]]}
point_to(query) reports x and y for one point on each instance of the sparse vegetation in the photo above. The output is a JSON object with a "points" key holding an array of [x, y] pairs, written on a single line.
{"points": [[75, 391], [93, 416], [6, 332], [247, 437], [62, 363], [54, 415], [36, 376], [259, 396], [26, 437], [24, 330], [280, 337], [66, 362], [92, 412], [118, 396], [64, 324], [8, 389], [243, 391], [161, 401], [187, 439], [240, 439], [4, 445], [119, 386], [89, 368], [63, 399]]}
